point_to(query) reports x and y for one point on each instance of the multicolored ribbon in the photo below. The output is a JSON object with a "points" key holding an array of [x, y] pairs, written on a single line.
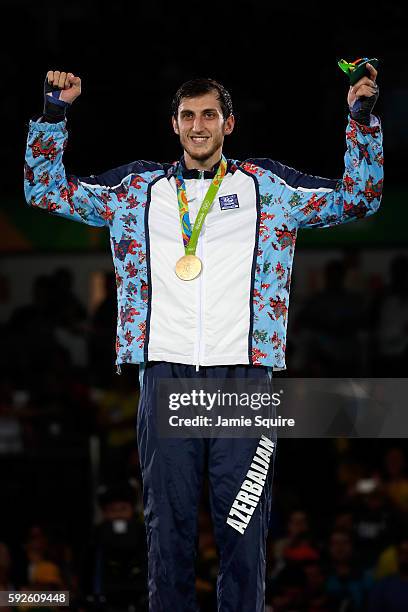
{"points": [[190, 236]]}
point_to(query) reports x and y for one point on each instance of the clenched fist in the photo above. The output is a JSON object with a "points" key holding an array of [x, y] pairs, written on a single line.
{"points": [[362, 97], [68, 85]]}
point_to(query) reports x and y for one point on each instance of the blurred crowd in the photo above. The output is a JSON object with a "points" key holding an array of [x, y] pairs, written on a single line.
{"points": [[350, 323], [72, 516]]}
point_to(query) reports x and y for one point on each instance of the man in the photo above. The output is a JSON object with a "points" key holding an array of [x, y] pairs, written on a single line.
{"points": [[206, 299], [391, 593], [112, 574]]}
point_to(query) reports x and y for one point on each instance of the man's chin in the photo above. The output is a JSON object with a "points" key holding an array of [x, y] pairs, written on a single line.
{"points": [[199, 155]]}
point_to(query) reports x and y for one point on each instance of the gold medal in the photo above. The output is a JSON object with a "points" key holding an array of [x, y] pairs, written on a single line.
{"points": [[188, 267]]}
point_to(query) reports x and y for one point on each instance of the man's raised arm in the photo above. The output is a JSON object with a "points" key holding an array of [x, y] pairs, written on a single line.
{"points": [[319, 202], [46, 184]]}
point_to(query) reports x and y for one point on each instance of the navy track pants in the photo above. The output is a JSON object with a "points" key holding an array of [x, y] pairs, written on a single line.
{"points": [[173, 471]]}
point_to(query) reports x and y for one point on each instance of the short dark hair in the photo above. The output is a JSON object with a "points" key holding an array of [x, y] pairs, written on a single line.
{"points": [[199, 87]]}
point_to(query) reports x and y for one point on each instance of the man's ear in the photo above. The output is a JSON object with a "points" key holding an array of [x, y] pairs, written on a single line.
{"points": [[175, 125], [229, 125]]}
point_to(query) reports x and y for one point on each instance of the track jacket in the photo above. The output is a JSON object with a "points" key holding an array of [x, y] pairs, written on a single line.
{"points": [[236, 311]]}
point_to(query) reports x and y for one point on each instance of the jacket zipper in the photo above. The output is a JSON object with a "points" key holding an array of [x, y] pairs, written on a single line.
{"points": [[200, 283]]}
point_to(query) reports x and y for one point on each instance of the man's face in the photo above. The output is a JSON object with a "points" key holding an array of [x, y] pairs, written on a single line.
{"points": [[201, 126], [298, 523], [340, 547], [117, 510]]}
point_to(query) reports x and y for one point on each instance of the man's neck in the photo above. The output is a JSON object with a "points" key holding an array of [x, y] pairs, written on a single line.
{"points": [[202, 164]]}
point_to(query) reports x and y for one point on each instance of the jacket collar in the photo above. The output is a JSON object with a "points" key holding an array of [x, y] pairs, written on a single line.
{"points": [[193, 173]]}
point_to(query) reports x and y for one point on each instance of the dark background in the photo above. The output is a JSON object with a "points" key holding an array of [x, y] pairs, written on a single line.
{"points": [[67, 423], [279, 63]]}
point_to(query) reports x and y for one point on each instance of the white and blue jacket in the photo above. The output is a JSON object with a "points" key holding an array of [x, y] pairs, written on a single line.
{"points": [[236, 311]]}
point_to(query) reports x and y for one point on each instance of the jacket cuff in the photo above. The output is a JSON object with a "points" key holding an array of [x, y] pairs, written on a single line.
{"points": [[38, 124], [373, 128]]}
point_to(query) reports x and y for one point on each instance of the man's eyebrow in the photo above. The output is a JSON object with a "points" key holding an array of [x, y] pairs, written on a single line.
{"points": [[205, 110]]}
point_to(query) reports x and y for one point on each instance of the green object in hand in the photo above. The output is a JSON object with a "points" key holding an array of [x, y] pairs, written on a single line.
{"points": [[357, 69]]}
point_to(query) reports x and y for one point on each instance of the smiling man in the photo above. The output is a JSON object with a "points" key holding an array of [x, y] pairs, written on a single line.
{"points": [[203, 251], [201, 122]]}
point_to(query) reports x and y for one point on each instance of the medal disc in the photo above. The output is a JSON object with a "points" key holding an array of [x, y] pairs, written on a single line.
{"points": [[188, 267]]}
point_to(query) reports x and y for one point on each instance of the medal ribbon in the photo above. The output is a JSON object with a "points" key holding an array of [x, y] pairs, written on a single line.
{"points": [[190, 236]]}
